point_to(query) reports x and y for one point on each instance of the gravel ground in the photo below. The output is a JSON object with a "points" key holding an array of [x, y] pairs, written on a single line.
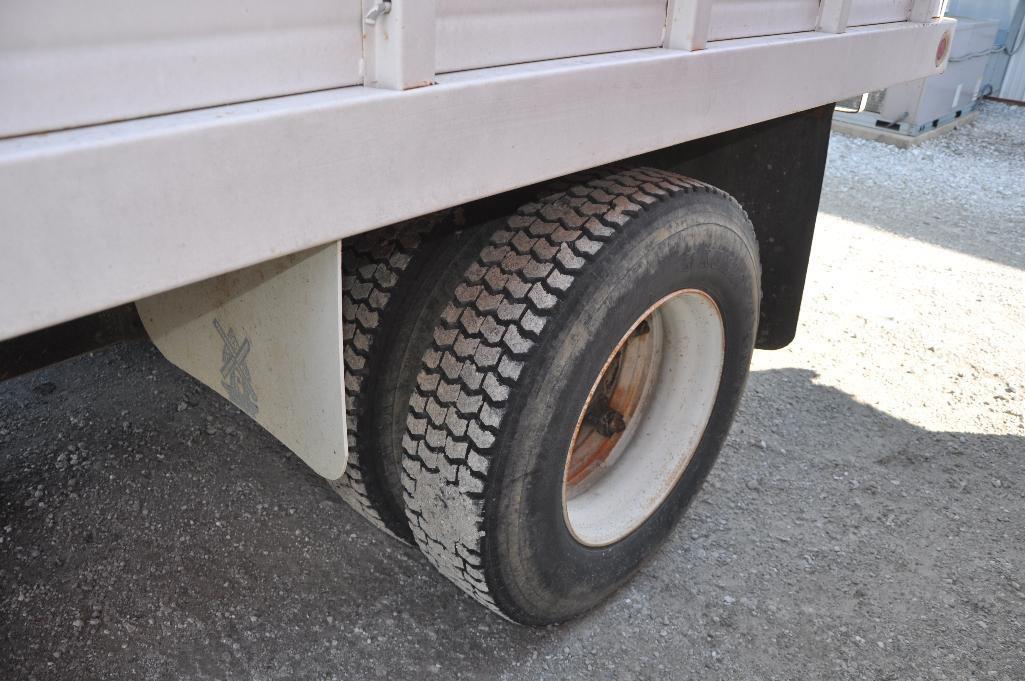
{"points": [[866, 519]]}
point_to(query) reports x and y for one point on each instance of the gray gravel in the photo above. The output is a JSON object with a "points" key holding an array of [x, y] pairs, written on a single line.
{"points": [[965, 190], [866, 519]]}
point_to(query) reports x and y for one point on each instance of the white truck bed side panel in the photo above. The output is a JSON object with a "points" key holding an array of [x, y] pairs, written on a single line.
{"points": [[65, 63], [474, 34], [100, 216], [744, 18], [878, 11]]}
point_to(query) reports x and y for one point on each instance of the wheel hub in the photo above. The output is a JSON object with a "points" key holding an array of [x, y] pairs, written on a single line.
{"points": [[612, 404], [643, 418]]}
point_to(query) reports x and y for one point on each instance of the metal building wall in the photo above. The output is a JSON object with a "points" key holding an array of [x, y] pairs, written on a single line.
{"points": [[1013, 86], [999, 70]]}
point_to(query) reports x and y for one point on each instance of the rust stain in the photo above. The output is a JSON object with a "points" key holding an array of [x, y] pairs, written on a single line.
{"points": [[614, 399]]}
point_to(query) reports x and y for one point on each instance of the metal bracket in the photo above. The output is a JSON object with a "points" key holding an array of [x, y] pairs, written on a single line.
{"points": [[862, 104], [268, 338], [398, 45], [376, 11], [924, 11]]}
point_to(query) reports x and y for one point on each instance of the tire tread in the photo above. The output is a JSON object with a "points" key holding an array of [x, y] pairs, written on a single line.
{"points": [[372, 267], [486, 333]]}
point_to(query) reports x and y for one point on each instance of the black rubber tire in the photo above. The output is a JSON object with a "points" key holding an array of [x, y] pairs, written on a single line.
{"points": [[513, 357], [382, 275], [394, 280]]}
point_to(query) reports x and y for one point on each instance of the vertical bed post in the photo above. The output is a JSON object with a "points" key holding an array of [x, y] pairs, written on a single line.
{"points": [[833, 15], [398, 43], [687, 24]]}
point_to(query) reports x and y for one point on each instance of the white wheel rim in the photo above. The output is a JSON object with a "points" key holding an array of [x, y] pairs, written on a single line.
{"points": [[666, 386]]}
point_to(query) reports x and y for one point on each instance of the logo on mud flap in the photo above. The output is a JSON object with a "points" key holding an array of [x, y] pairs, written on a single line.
{"points": [[235, 375]]}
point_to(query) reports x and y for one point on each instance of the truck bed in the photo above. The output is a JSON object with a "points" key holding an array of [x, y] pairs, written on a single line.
{"points": [[114, 210]]}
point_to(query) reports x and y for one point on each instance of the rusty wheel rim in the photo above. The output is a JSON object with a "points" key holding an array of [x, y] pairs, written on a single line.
{"points": [[643, 418], [612, 403]]}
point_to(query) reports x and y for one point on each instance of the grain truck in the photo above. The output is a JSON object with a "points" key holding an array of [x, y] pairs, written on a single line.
{"points": [[494, 269]]}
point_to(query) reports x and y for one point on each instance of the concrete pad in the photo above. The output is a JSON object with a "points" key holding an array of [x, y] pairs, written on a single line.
{"points": [[898, 139]]}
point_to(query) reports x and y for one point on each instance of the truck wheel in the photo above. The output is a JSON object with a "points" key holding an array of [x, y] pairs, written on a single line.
{"points": [[579, 386], [381, 272], [388, 312]]}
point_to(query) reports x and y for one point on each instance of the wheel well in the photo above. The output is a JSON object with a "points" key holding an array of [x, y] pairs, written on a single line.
{"points": [[775, 170]]}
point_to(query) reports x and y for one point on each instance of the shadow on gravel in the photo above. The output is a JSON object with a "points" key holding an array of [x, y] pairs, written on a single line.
{"points": [[152, 531], [962, 231]]}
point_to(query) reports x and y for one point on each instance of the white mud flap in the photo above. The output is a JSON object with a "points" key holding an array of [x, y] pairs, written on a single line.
{"points": [[268, 338]]}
